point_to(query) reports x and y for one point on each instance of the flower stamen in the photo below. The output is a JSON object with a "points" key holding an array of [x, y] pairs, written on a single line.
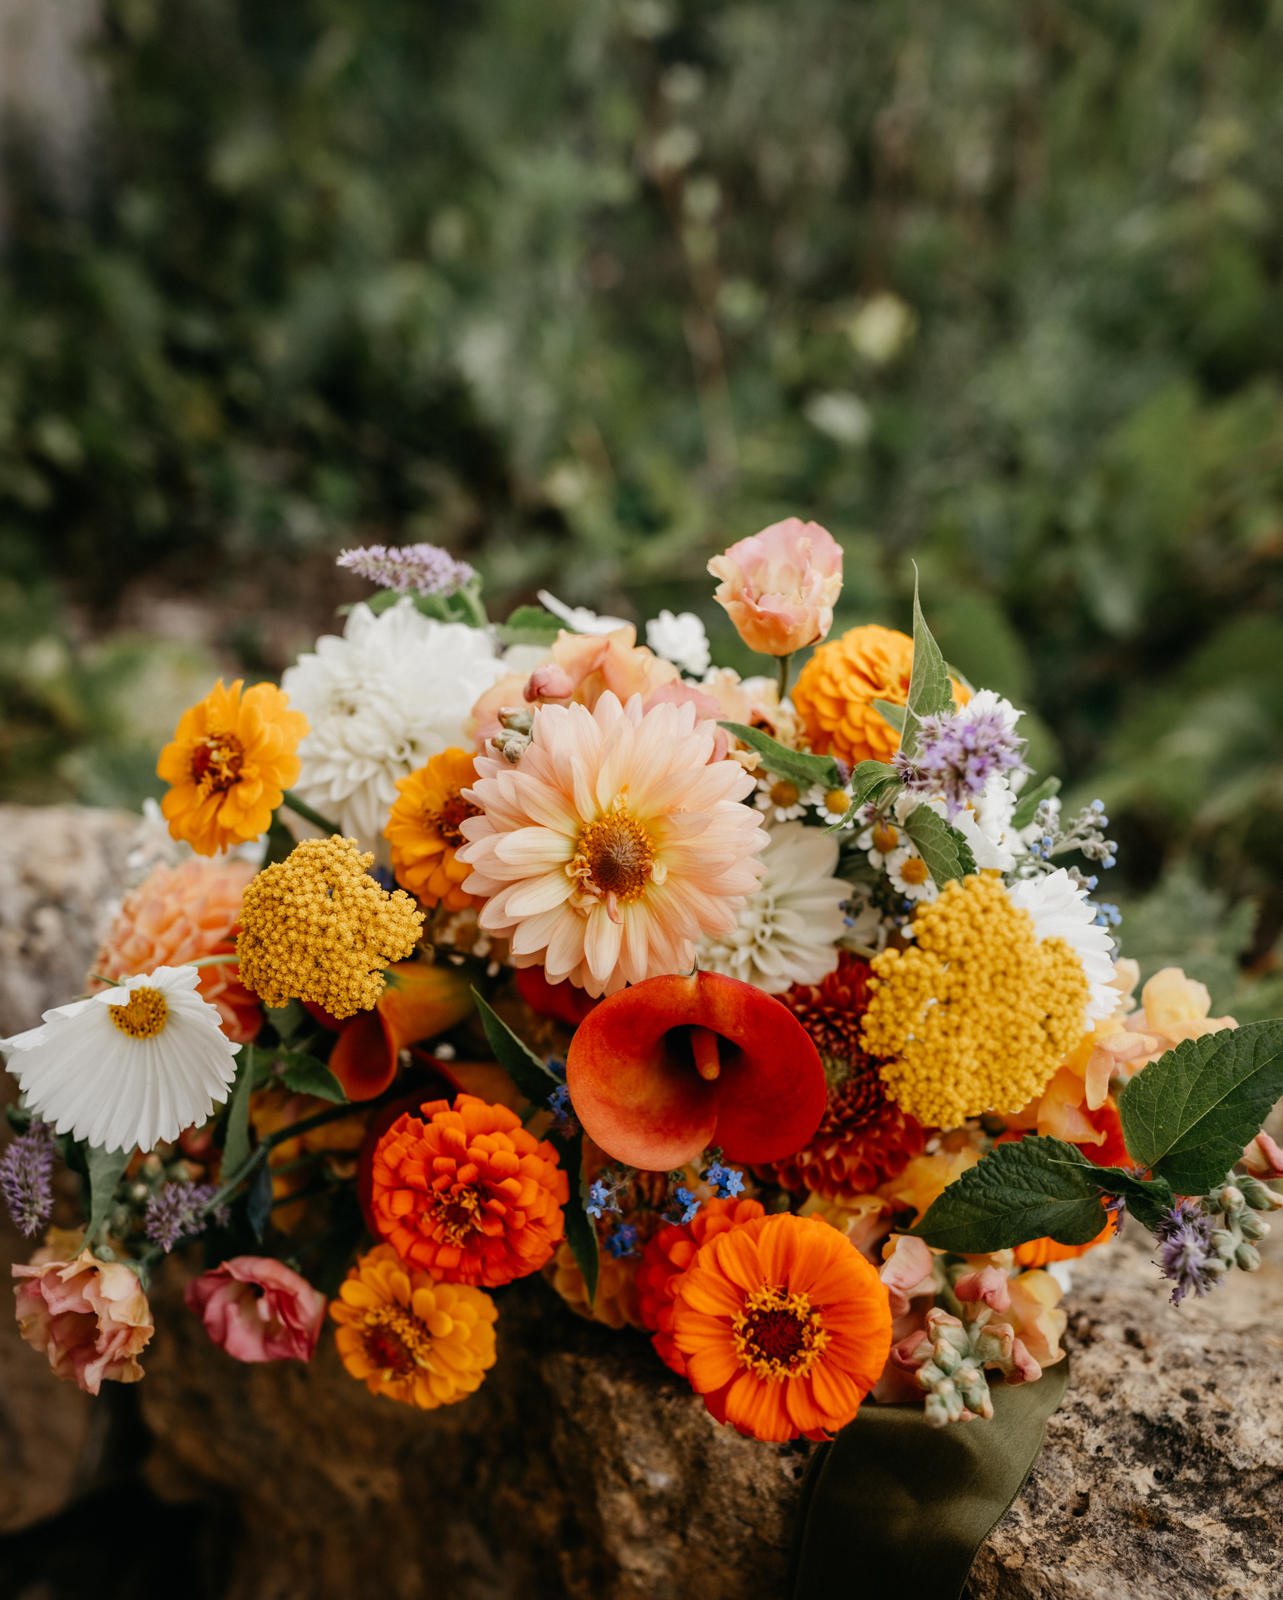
{"points": [[143, 1015], [615, 858], [216, 762], [778, 1335], [446, 819], [395, 1343]]}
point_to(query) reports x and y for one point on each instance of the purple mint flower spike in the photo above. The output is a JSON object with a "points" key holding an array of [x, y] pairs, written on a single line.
{"points": [[958, 754], [175, 1213], [1187, 1254], [409, 568], [26, 1179]]}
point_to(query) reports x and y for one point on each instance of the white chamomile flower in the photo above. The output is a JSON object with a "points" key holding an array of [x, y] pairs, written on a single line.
{"points": [[394, 691], [579, 619], [680, 639], [781, 799], [1060, 911], [833, 805], [909, 875], [881, 841], [130, 1067], [788, 927]]}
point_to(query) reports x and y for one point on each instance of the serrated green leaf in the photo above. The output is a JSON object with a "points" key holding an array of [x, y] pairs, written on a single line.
{"points": [[516, 1058], [1028, 1189], [530, 625], [581, 1234], [946, 853], [236, 1135], [795, 765], [307, 1074], [1025, 811], [869, 783], [1188, 1115], [893, 714], [1147, 1198], [930, 691], [105, 1171]]}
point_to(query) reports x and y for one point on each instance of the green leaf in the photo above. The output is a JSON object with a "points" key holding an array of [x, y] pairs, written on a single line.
{"points": [[289, 1020], [337, 1245], [930, 691], [305, 1074], [893, 714], [236, 1134], [530, 625], [1020, 1191], [946, 853], [1024, 813], [581, 1234], [1147, 1198], [870, 782], [801, 769], [105, 1171], [258, 1201], [516, 1058], [1188, 1115]]}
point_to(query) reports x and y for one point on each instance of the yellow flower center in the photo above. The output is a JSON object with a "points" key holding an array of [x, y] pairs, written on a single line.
{"points": [[885, 838], [785, 794], [143, 1015], [216, 762], [395, 1342], [837, 801], [914, 870], [445, 821], [615, 856], [778, 1335], [456, 1213]]}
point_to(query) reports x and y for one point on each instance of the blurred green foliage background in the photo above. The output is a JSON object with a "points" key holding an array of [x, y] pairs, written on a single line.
{"points": [[585, 290]]}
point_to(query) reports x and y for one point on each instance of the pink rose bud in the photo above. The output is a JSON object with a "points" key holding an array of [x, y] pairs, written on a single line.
{"points": [[90, 1317], [779, 586], [257, 1309]]}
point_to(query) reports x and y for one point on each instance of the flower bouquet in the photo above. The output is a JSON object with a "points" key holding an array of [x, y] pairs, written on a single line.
{"points": [[780, 1026]]}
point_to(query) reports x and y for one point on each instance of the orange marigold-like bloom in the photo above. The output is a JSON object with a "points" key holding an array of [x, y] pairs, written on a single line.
{"points": [[1039, 1252], [409, 1337], [175, 916], [468, 1193], [423, 830], [229, 764], [668, 1255], [836, 689], [785, 1327]]}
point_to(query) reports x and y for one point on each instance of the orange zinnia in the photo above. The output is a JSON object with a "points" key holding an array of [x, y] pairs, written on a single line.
{"points": [[667, 1256], [468, 1194], [785, 1327], [409, 1337], [836, 689], [423, 830], [229, 764]]}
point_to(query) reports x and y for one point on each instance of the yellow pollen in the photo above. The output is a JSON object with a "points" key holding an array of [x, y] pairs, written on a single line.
{"points": [[885, 838], [395, 1342], [615, 855], [784, 793], [778, 1335], [914, 870], [445, 822], [836, 801], [143, 1015], [216, 762], [456, 1214]]}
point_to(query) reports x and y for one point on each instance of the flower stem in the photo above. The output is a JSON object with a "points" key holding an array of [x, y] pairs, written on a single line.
{"points": [[300, 808], [784, 676]]}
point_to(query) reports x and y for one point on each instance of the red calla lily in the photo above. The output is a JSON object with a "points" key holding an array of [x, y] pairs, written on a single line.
{"points": [[560, 1000], [419, 1002], [662, 1070]]}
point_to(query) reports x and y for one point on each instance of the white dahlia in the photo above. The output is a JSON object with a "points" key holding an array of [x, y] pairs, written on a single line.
{"points": [[788, 927], [394, 691], [132, 1066], [1060, 911]]}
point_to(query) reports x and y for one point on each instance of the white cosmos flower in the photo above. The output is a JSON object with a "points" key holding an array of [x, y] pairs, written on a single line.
{"points": [[788, 927], [680, 639], [1060, 911], [132, 1066], [394, 691]]}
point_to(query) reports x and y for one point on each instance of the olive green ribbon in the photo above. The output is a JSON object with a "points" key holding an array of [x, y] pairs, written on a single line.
{"points": [[894, 1507]]}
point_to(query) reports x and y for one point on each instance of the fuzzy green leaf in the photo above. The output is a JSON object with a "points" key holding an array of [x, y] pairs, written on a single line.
{"points": [[530, 625], [105, 1171], [306, 1074], [870, 781], [946, 853], [1021, 1191], [236, 1134], [581, 1233], [1029, 802], [801, 769], [1147, 1198], [930, 691], [893, 714], [516, 1057], [1188, 1115]]}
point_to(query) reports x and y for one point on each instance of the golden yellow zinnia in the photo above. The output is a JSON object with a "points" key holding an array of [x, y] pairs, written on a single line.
{"points": [[423, 830], [409, 1337], [228, 766]]}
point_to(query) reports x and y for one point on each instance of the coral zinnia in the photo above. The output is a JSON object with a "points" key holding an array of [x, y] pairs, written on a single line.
{"points": [[229, 764], [613, 844], [468, 1193], [409, 1337], [668, 1255], [423, 830], [836, 689], [175, 916], [785, 1327]]}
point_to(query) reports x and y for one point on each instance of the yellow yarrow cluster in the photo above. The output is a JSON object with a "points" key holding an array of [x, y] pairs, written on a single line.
{"points": [[978, 1013], [317, 927]]}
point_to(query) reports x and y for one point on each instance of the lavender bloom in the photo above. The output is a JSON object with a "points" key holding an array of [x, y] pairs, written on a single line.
{"points": [[176, 1212], [1188, 1254], [409, 569], [958, 754], [26, 1173]]}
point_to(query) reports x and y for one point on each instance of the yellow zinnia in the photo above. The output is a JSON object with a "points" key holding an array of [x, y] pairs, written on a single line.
{"points": [[424, 833]]}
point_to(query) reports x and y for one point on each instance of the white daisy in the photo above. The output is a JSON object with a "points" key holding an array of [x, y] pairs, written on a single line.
{"points": [[680, 639], [828, 800], [132, 1066], [909, 876], [986, 825], [1060, 911], [882, 840], [788, 927], [781, 799], [396, 689]]}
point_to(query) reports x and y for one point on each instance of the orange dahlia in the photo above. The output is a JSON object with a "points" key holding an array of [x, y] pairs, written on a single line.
{"points": [[229, 764], [468, 1194], [423, 830], [175, 916], [836, 689], [668, 1255], [409, 1337], [785, 1327]]}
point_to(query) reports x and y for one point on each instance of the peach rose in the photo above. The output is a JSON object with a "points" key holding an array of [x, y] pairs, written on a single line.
{"points": [[779, 586], [90, 1317], [258, 1309]]}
